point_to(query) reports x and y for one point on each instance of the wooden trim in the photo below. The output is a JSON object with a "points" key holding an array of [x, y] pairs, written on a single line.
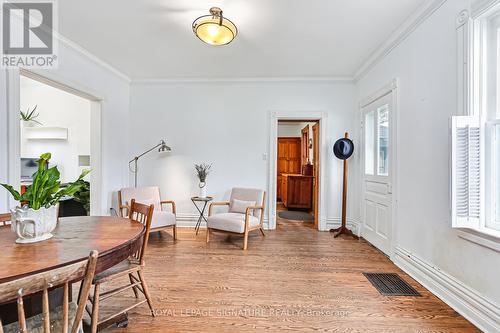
{"points": [[305, 154], [171, 202], [316, 172]]}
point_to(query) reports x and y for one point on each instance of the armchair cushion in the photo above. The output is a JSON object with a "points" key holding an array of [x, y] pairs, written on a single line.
{"points": [[248, 194], [234, 222], [149, 195], [240, 206], [162, 219]]}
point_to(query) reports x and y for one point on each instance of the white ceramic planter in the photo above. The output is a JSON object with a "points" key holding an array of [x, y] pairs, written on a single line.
{"points": [[33, 225], [203, 190]]}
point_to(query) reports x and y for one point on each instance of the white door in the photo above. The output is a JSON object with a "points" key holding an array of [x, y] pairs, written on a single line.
{"points": [[376, 207]]}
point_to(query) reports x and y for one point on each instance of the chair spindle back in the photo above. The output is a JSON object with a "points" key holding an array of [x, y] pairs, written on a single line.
{"points": [[143, 214], [44, 281]]}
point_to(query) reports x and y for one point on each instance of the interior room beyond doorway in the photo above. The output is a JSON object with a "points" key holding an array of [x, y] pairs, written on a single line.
{"points": [[297, 171]]}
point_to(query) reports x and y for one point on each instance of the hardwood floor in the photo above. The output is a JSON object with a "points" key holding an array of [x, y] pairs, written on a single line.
{"points": [[295, 279]]}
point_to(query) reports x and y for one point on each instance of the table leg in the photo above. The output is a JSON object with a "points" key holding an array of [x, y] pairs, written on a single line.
{"points": [[201, 217], [198, 224]]}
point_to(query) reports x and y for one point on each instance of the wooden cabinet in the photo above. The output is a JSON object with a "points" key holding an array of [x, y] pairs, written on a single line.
{"points": [[297, 191], [289, 160]]}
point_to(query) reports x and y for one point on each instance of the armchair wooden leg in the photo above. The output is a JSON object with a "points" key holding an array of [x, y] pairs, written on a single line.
{"points": [[208, 234], [95, 309], [175, 232], [146, 292], [262, 231], [245, 240]]}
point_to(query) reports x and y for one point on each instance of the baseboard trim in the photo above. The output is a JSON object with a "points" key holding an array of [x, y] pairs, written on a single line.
{"points": [[335, 222], [186, 220], [463, 299]]}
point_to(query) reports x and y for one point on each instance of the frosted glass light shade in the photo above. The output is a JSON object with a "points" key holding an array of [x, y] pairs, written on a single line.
{"points": [[215, 29]]}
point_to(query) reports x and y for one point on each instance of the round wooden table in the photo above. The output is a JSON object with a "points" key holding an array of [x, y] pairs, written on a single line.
{"points": [[74, 237]]}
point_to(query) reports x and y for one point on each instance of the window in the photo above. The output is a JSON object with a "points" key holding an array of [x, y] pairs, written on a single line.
{"points": [[476, 134], [383, 141], [369, 143], [376, 128]]}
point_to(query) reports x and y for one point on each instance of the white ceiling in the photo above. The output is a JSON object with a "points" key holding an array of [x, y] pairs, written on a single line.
{"points": [[152, 39]]}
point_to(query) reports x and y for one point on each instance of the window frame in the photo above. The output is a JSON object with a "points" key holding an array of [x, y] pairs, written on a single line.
{"points": [[492, 215], [475, 99]]}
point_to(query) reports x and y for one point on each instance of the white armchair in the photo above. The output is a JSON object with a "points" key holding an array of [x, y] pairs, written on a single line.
{"points": [[246, 213], [149, 196]]}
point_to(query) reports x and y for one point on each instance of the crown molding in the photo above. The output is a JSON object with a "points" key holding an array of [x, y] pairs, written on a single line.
{"points": [[481, 7], [398, 36], [318, 79], [78, 48]]}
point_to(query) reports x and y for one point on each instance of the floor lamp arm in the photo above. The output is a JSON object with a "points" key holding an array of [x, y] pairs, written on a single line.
{"points": [[135, 159]]}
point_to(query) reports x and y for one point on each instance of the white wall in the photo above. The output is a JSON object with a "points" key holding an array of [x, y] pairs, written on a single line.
{"points": [[3, 141], [82, 72], [426, 66], [57, 108], [290, 130], [227, 124]]}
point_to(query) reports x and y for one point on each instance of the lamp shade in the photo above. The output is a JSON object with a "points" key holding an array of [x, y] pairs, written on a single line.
{"points": [[214, 29]]}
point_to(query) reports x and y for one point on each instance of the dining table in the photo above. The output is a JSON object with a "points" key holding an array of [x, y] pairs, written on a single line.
{"points": [[115, 238]]}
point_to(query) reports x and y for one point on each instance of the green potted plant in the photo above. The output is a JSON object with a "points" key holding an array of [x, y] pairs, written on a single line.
{"points": [[36, 216], [202, 171], [29, 117]]}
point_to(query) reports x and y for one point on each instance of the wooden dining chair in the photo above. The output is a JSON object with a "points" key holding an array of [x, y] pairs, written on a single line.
{"points": [[131, 268], [60, 318], [4, 219]]}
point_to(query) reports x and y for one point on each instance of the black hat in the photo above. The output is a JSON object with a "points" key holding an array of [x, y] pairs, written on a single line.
{"points": [[343, 148]]}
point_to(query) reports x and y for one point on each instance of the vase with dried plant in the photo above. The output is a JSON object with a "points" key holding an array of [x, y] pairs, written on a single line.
{"points": [[202, 171]]}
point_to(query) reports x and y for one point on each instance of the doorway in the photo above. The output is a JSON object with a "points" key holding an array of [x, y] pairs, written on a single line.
{"points": [[68, 124], [297, 161], [377, 171]]}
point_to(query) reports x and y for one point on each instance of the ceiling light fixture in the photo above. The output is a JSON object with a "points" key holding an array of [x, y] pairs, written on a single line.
{"points": [[214, 29]]}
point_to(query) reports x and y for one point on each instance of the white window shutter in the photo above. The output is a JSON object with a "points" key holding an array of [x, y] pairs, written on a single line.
{"points": [[467, 172]]}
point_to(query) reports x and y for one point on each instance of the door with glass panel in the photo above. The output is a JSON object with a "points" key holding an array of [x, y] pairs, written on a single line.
{"points": [[376, 207]]}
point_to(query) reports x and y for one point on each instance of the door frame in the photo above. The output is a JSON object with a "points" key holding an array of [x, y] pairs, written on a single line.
{"points": [[304, 150], [14, 129], [390, 88], [274, 117]]}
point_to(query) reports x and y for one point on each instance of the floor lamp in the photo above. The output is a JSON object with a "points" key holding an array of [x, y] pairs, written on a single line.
{"points": [[162, 147]]}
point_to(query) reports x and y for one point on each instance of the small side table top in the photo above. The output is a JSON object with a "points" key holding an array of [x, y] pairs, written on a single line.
{"points": [[202, 199]]}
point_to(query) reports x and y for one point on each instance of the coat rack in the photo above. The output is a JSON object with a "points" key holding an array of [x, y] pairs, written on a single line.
{"points": [[343, 149]]}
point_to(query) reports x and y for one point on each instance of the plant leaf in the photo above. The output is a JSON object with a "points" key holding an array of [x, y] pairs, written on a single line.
{"points": [[12, 191]]}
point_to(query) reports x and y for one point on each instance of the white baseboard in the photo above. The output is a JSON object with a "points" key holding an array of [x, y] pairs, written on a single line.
{"points": [[335, 222], [463, 299], [186, 220]]}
